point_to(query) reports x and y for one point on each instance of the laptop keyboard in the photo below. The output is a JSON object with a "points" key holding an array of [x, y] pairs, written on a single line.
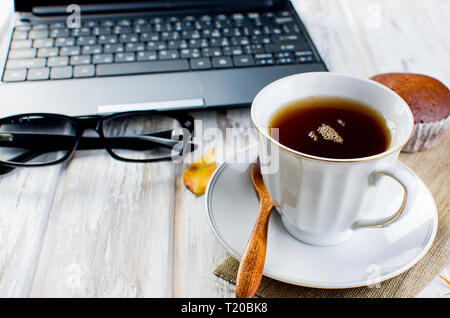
{"points": [[155, 45]]}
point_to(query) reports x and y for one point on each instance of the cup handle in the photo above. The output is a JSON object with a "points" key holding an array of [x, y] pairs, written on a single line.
{"points": [[407, 180]]}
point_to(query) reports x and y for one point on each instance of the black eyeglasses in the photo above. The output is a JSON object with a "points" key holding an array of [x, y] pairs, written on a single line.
{"points": [[40, 139]]}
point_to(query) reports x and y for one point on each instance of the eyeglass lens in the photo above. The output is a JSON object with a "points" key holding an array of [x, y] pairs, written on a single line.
{"points": [[33, 139], [141, 136]]}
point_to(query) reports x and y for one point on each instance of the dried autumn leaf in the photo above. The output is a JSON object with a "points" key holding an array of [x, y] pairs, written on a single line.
{"points": [[197, 175]]}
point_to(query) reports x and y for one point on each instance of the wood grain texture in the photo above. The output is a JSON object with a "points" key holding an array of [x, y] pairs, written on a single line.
{"points": [[196, 250], [97, 227], [109, 234]]}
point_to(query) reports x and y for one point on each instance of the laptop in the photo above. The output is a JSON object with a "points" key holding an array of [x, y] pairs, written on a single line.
{"points": [[100, 57]]}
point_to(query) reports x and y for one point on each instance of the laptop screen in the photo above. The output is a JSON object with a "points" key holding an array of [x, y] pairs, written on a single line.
{"points": [[27, 5]]}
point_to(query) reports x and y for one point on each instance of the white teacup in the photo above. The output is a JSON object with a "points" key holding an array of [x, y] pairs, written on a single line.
{"points": [[321, 199]]}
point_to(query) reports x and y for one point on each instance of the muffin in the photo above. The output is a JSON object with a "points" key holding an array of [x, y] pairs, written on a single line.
{"points": [[429, 100]]}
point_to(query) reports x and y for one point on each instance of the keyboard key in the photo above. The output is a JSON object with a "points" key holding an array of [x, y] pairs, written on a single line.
{"points": [[23, 26], [107, 39], [233, 50], [86, 40], [168, 36], [177, 44], [263, 56], [101, 31], [241, 40], [128, 38], [200, 64], [142, 67], [144, 37], [144, 28], [147, 56], [156, 20], [216, 33], [275, 30], [198, 43], [125, 57], [151, 37], [102, 58], [284, 60], [21, 44], [59, 33], [43, 43], [284, 14], [91, 49], [283, 55], [89, 24], [253, 15], [243, 60], [47, 52], [36, 74], [61, 72], [80, 32], [80, 59], [25, 63], [218, 42], [125, 22], [190, 53], [209, 52], [113, 48], [237, 16], [84, 71], [38, 34], [254, 49], [281, 20], [158, 45], [305, 59], [58, 61], [21, 54], [303, 53], [20, 35], [134, 47], [69, 50], [107, 23], [222, 62], [122, 30], [285, 47], [190, 34], [140, 21], [15, 75], [168, 55], [268, 61], [286, 37], [64, 41]]}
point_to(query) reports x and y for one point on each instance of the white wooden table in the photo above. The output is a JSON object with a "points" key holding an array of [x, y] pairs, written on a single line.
{"points": [[97, 227]]}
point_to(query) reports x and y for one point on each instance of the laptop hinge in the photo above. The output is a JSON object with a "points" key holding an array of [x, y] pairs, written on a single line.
{"points": [[152, 5]]}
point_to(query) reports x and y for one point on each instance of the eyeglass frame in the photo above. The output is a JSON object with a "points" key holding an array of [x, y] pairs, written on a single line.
{"points": [[95, 122]]}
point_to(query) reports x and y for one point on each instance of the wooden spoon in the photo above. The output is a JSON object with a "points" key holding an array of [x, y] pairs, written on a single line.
{"points": [[252, 262]]}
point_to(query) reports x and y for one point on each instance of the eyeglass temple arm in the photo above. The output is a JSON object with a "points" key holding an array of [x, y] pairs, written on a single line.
{"points": [[86, 143], [61, 142], [24, 157]]}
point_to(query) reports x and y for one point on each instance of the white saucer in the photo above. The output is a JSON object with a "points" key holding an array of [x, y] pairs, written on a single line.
{"points": [[369, 257]]}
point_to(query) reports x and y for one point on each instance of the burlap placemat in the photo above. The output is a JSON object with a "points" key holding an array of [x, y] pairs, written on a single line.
{"points": [[433, 167]]}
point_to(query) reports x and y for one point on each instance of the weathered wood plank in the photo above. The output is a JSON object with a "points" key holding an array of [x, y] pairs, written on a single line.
{"points": [[26, 197], [109, 231]]}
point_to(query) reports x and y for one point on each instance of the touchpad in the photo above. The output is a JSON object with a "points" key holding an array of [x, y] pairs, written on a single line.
{"points": [[149, 92]]}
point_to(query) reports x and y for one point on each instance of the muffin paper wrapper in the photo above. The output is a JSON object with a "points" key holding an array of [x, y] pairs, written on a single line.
{"points": [[426, 135]]}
